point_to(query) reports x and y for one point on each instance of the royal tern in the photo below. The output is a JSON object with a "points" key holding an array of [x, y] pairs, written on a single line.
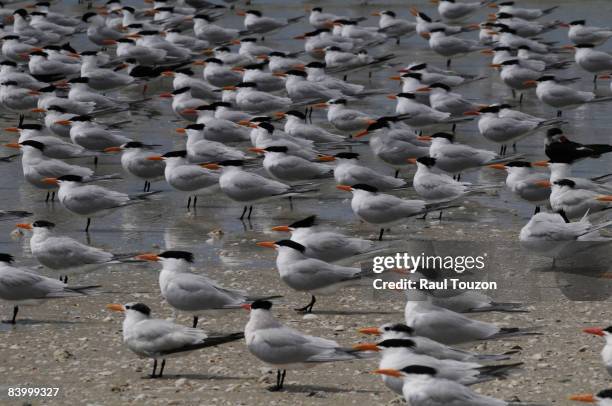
{"points": [[580, 33], [190, 292], [322, 244], [248, 187], [451, 47], [91, 200], [290, 168], [296, 126], [202, 150], [218, 74], [523, 182], [252, 100], [418, 115], [265, 81], [320, 19], [343, 118], [394, 27], [548, 235], [183, 77], [212, 33], [572, 202], [422, 386], [135, 161], [524, 13], [63, 253], [397, 353], [249, 47], [98, 32], [385, 210], [21, 287], [453, 11], [449, 327], [300, 88], [182, 100], [185, 177], [428, 346], [161, 339], [285, 348], [54, 147], [424, 25], [348, 171], [256, 22], [442, 99]]}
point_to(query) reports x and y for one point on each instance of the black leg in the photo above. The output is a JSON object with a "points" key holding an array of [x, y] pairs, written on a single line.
{"points": [[309, 306], [250, 211], [562, 213], [345, 77], [514, 147], [144, 189], [243, 212], [161, 370], [440, 216], [513, 94], [424, 216], [14, 319], [88, 223], [65, 278], [397, 173], [96, 160], [290, 203], [454, 128], [47, 198], [559, 113], [382, 231], [154, 369], [195, 321], [537, 210], [595, 82], [448, 63], [53, 196], [188, 202], [458, 177], [397, 42], [521, 99], [195, 200], [276, 387], [282, 379]]}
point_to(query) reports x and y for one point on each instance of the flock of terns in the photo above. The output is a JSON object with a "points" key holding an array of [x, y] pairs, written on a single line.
{"points": [[250, 101]]}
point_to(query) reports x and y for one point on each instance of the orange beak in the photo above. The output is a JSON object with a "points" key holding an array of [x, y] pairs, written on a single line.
{"points": [[148, 257], [238, 69], [395, 78], [240, 13], [198, 63], [604, 76], [530, 83], [346, 188], [375, 14], [424, 138], [392, 97], [495, 65], [300, 37], [423, 89], [257, 150], [25, 226], [229, 88], [320, 105], [414, 11], [246, 306], [497, 166], [586, 398], [412, 161], [361, 134], [375, 331], [210, 166], [12, 129], [115, 307], [109, 42], [63, 122], [543, 183], [166, 95], [366, 347], [326, 158], [180, 130], [596, 331], [279, 114], [604, 198], [13, 145], [155, 158], [50, 181], [573, 48], [543, 164], [285, 229], [487, 52], [113, 149], [389, 372], [280, 75], [189, 112], [37, 110], [168, 74], [267, 244], [471, 113]]}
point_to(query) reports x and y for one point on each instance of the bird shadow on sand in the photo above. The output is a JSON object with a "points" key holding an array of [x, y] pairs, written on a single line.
{"points": [[6, 326], [353, 312], [199, 377], [326, 389]]}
